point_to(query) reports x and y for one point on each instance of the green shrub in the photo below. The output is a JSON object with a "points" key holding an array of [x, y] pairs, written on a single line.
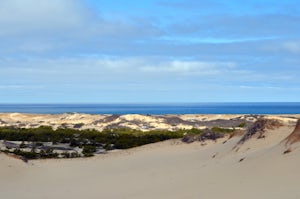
{"points": [[242, 125], [222, 130], [88, 150], [90, 140]]}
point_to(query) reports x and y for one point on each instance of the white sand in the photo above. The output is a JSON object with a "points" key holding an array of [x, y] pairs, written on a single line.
{"points": [[167, 170]]}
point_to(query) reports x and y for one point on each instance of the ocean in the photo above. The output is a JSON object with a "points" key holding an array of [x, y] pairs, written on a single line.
{"points": [[157, 109]]}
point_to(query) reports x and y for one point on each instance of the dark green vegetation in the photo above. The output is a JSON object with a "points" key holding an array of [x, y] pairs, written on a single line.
{"points": [[34, 155], [88, 140], [119, 138], [222, 130], [242, 125]]}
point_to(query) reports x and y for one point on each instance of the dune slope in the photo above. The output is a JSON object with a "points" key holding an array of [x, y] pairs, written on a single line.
{"points": [[170, 169]]}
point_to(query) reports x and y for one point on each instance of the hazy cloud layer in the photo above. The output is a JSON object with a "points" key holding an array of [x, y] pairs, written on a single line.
{"points": [[150, 51]]}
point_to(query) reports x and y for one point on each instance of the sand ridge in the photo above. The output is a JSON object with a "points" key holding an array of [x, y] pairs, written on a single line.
{"points": [[133, 121]]}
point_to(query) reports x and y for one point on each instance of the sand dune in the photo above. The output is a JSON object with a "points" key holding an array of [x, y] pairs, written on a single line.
{"points": [[294, 137], [170, 169], [133, 121]]}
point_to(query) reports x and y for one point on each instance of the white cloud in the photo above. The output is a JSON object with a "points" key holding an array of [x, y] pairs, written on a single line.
{"points": [[189, 67], [208, 40], [106, 70], [292, 46], [287, 46], [261, 87], [99, 69], [25, 16], [106, 76], [17, 87], [11, 86], [41, 26]]}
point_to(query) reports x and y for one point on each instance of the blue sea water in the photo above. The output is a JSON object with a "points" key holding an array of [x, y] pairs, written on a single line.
{"points": [[159, 109]]}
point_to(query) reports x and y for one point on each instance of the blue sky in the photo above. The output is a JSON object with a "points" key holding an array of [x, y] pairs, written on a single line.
{"points": [[150, 51]]}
